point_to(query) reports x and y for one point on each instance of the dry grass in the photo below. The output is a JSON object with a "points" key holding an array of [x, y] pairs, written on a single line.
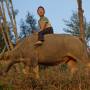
{"points": [[51, 78]]}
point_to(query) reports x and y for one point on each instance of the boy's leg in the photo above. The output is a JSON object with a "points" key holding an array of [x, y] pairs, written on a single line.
{"points": [[48, 30], [42, 33], [41, 36]]}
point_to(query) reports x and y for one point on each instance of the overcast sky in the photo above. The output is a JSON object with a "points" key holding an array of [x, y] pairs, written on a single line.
{"points": [[56, 10]]}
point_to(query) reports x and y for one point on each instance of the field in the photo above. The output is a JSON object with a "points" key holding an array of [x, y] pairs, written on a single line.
{"points": [[51, 78]]}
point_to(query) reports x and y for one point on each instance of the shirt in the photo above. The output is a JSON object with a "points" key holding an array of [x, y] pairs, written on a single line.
{"points": [[44, 19]]}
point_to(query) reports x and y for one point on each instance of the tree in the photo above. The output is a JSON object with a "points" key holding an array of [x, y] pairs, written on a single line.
{"points": [[81, 21], [28, 26], [72, 26], [11, 33], [8, 29], [23, 28], [88, 32], [30, 20], [2, 43], [11, 14], [4, 27]]}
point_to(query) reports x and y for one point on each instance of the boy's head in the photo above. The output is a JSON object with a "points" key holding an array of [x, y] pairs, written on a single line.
{"points": [[41, 11]]}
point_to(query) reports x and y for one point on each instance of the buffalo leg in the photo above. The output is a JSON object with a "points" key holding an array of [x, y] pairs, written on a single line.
{"points": [[36, 71], [26, 70], [72, 65], [31, 67]]}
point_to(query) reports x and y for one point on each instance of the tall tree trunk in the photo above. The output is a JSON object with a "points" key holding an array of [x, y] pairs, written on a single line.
{"points": [[6, 26], [82, 32], [80, 14], [2, 31], [12, 17]]}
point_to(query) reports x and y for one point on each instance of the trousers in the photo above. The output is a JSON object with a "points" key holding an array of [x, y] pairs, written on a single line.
{"points": [[41, 34]]}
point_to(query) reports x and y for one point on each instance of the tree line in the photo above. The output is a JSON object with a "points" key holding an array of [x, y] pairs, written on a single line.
{"points": [[8, 29], [73, 28]]}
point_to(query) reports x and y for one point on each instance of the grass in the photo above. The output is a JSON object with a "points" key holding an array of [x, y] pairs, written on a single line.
{"points": [[51, 78]]}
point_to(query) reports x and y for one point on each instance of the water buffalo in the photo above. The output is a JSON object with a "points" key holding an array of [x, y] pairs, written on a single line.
{"points": [[55, 49]]}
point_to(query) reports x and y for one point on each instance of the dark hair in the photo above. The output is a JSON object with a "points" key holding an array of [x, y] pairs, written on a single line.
{"points": [[41, 7]]}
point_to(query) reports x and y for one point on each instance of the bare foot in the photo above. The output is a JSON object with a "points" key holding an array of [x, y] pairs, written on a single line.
{"points": [[38, 43]]}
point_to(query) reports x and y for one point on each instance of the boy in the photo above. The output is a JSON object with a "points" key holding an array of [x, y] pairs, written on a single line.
{"points": [[44, 24]]}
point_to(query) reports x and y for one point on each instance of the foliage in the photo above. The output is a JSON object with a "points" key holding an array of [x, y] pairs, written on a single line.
{"points": [[51, 78], [28, 26], [72, 26]]}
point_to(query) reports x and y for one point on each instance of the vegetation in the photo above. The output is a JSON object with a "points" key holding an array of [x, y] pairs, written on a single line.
{"points": [[73, 28], [51, 78], [28, 26]]}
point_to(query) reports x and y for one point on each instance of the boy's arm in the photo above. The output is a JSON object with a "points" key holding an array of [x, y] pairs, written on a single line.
{"points": [[43, 25]]}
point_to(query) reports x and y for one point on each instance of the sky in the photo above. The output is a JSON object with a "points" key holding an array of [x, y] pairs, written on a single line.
{"points": [[56, 11]]}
